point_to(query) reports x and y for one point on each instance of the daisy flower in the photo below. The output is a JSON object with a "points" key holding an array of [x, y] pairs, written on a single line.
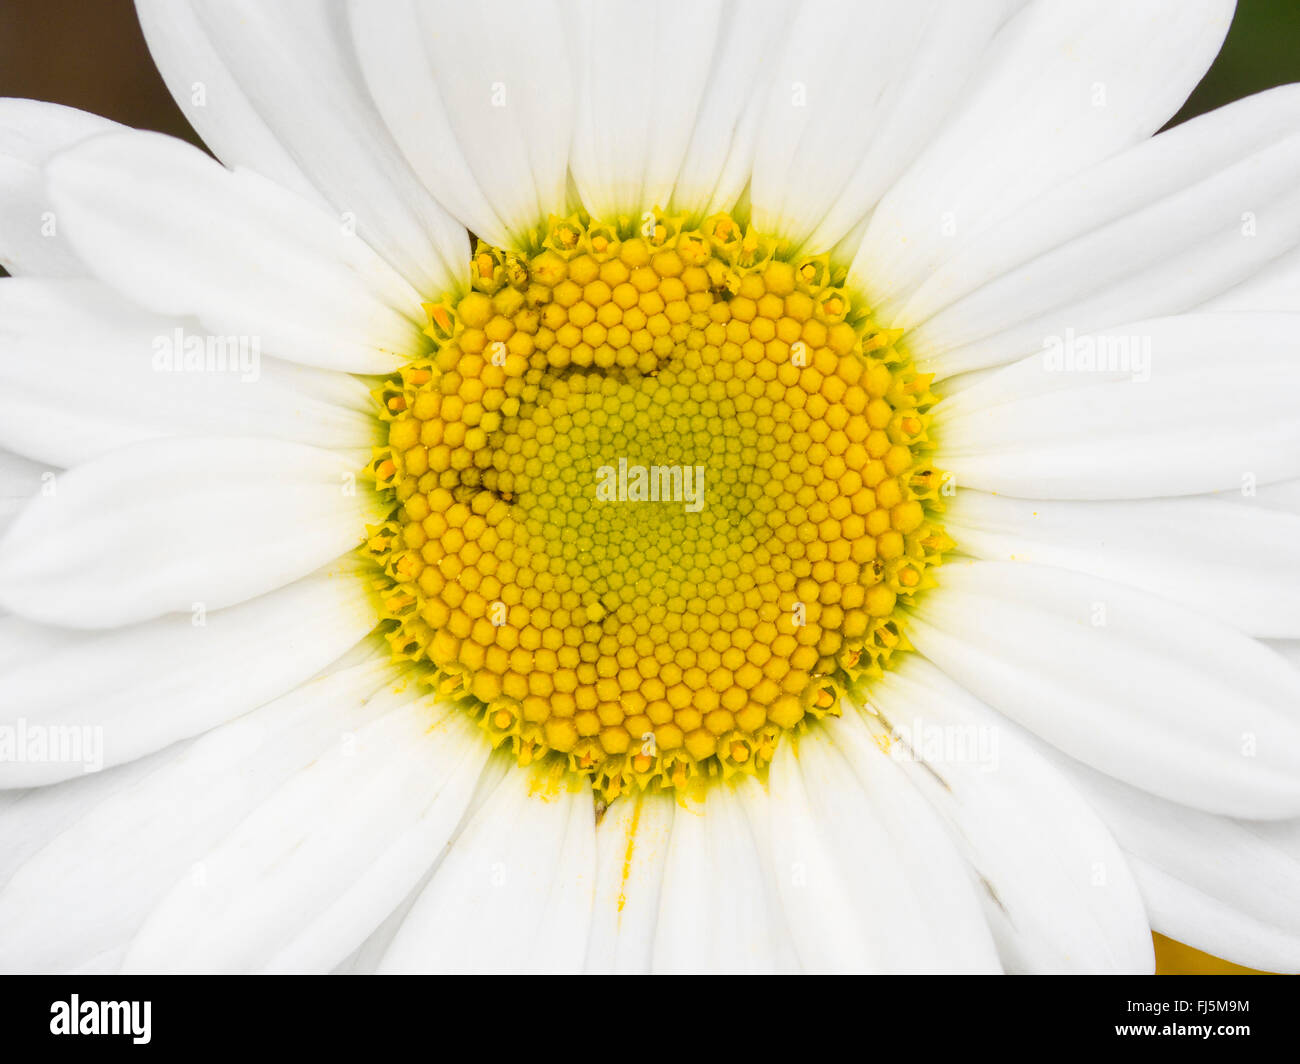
{"points": [[676, 486]]}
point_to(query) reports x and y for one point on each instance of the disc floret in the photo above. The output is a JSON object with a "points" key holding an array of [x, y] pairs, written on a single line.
{"points": [[658, 498]]}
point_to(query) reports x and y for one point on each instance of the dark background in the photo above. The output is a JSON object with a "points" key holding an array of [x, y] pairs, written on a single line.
{"points": [[90, 54]]}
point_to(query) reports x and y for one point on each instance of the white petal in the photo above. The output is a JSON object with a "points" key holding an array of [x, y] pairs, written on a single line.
{"points": [[1136, 686], [1228, 887], [1288, 648], [366, 958], [480, 99], [31, 818], [107, 698], [205, 90], [21, 640], [88, 891], [714, 912], [177, 524], [860, 90], [1153, 231], [631, 852], [1276, 287], [867, 875], [1281, 495], [515, 892], [642, 72], [757, 804], [719, 160], [1193, 404], [322, 861], [175, 232], [1064, 86], [21, 480], [31, 239], [1239, 563], [275, 88], [1057, 892], [83, 372]]}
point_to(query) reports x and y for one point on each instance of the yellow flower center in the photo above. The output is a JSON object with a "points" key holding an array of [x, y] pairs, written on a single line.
{"points": [[657, 499]]}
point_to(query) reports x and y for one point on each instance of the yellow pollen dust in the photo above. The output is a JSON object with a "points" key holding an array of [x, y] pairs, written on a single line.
{"points": [[657, 499]]}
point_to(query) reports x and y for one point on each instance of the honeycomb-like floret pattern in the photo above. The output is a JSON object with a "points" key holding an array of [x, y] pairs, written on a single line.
{"points": [[657, 500]]}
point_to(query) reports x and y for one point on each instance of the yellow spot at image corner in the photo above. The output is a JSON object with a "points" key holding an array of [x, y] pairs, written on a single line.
{"points": [[647, 643], [1176, 958]]}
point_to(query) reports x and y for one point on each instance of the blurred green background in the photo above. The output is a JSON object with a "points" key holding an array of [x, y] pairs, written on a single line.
{"points": [[90, 54], [1262, 50]]}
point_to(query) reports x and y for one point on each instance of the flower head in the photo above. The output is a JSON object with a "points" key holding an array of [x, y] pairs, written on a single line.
{"points": [[683, 486]]}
